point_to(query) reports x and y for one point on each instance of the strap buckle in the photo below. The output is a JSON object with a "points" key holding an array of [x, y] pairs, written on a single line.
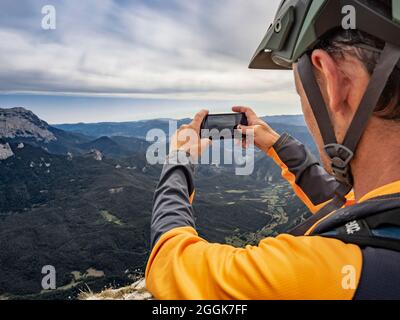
{"points": [[340, 157]]}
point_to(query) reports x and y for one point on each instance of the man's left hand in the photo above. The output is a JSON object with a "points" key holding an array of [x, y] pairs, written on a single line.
{"points": [[187, 138]]}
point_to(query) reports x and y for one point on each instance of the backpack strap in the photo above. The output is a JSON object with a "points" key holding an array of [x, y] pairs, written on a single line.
{"points": [[378, 231], [338, 201]]}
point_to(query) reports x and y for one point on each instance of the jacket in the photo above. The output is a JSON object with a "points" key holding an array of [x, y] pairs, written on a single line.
{"points": [[184, 266]]}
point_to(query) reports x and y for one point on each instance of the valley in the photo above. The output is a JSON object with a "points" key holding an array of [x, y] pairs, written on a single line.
{"points": [[81, 201]]}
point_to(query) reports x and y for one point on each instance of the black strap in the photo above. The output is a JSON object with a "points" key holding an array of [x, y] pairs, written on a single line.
{"points": [[387, 62], [363, 235], [317, 102], [390, 217], [339, 155], [337, 202], [369, 241]]}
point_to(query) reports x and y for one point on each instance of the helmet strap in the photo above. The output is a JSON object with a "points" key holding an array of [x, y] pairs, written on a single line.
{"points": [[341, 155]]}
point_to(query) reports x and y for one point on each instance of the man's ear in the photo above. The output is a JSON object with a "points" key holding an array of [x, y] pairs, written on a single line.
{"points": [[333, 80]]}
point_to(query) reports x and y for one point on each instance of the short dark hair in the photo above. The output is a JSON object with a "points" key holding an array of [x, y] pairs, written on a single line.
{"points": [[361, 45]]}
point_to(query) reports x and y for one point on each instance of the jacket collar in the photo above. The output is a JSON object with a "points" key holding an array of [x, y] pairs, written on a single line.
{"points": [[390, 188]]}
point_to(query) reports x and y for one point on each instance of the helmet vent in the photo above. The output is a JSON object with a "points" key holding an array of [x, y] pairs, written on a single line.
{"points": [[278, 26]]}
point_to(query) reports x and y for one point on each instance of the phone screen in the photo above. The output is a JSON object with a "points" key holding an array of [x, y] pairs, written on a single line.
{"points": [[222, 123]]}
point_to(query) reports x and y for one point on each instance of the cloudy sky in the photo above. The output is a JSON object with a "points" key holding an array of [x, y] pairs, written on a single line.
{"points": [[122, 60]]}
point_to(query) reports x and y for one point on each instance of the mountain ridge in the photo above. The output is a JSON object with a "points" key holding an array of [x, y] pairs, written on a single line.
{"points": [[20, 122], [138, 128], [80, 204]]}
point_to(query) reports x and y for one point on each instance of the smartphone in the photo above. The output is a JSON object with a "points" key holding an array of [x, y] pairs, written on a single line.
{"points": [[222, 123]]}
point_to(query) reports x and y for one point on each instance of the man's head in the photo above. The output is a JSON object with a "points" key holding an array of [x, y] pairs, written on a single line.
{"points": [[348, 78], [343, 65]]}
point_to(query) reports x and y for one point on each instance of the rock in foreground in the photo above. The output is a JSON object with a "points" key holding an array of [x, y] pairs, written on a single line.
{"points": [[136, 291]]}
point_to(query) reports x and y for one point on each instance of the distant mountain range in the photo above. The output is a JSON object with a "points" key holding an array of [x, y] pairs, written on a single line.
{"points": [[79, 197], [140, 128]]}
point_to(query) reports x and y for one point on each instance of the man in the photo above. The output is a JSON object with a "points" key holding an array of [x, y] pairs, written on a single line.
{"points": [[349, 85]]}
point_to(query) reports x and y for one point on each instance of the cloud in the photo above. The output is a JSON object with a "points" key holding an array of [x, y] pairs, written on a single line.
{"points": [[174, 49]]}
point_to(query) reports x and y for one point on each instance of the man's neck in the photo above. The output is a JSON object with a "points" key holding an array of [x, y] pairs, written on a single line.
{"points": [[377, 160]]}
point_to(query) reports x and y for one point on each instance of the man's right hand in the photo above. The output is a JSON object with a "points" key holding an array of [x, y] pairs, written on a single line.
{"points": [[264, 136]]}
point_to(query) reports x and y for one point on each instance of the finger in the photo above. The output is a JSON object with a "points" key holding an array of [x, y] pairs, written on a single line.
{"points": [[248, 111], [246, 130], [198, 119]]}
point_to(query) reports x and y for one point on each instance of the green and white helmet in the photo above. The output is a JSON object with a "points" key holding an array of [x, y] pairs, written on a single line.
{"points": [[300, 25]]}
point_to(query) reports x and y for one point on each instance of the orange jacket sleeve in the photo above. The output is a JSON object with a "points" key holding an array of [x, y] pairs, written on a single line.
{"points": [[313, 185], [184, 266]]}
